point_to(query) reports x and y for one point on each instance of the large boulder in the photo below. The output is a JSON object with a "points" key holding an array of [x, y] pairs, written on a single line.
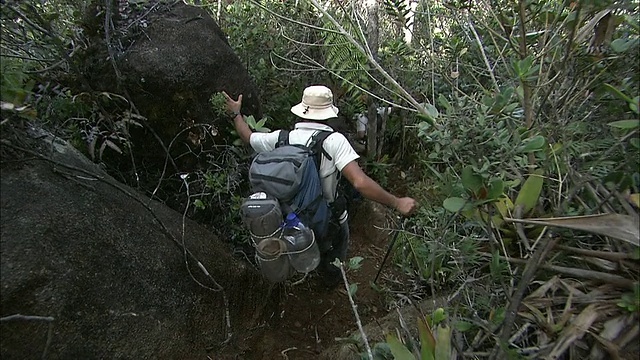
{"points": [[93, 270], [180, 59], [167, 59]]}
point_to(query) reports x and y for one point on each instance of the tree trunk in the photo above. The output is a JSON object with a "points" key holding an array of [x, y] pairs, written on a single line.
{"points": [[371, 10]]}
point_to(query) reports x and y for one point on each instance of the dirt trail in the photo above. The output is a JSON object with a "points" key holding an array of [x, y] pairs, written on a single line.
{"points": [[309, 318]]}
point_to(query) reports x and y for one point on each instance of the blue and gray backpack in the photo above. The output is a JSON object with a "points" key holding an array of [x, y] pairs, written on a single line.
{"points": [[285, 182], [290, 173]]}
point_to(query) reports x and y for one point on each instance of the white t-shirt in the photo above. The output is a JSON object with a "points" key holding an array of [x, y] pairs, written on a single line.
{"points": [[336, 145]]}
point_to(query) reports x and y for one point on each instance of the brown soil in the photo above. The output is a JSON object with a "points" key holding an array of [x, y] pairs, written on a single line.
{"points": [[310, 318]]}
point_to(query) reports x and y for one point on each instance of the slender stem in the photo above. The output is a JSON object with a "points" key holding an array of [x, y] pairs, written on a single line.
{"points": [[484, 55], [355, 312], [372, 61]]}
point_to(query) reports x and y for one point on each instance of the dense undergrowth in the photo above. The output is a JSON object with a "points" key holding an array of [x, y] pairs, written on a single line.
{"points": [[515, 124]]}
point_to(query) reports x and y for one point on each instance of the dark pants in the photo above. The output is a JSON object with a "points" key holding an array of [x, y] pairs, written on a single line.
{"points": [[336, 242]]}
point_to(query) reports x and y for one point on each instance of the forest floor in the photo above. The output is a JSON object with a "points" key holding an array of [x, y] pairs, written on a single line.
{"points": [[312, 318]]}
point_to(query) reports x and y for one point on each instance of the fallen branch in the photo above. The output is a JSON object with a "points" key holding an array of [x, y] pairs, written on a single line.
{"points": [[18, 317], [527, 276], [580, 273], [607, 255]]}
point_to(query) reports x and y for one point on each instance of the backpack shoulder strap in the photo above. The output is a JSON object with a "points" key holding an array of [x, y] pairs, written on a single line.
{"points": [[316, 145], [283, 138]]}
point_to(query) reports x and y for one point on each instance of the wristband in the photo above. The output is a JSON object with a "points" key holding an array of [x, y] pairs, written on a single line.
{"points": [[233, 116]]}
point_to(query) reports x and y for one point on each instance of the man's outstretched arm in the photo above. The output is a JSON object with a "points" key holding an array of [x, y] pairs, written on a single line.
{"points": [[241, 126], [373, 191]]}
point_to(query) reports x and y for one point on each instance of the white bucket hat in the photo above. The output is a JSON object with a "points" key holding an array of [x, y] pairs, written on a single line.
{"points": [[317, 104]]}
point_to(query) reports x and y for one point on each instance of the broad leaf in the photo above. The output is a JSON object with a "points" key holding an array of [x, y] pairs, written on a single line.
{"points": [[427, 341], [261, 122], [427, 118], [621, 45], [454, 204], [504, 206], [617, 93], [533, 144], [463, 326], [495, 189], [635, 105], [470, 180], [625, 124], [251, 121], [530, 191], [432, 111], [352, 289], [443, 342], [622, 227], [355, 262], [399, 351], [442, 100]]}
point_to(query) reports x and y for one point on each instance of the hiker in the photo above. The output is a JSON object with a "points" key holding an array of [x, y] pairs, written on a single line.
{"points": [[362, 120], [314, 110]]}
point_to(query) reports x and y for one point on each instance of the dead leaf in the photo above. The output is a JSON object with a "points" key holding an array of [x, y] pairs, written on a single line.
{"points": [[576, 329], [622, 227]]}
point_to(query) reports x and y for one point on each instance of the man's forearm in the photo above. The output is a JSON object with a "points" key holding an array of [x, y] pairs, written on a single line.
{"points": [[373, 191], [242, 128]]}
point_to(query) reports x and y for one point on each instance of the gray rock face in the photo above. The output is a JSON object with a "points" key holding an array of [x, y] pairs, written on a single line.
{"points": [[107, 265]]}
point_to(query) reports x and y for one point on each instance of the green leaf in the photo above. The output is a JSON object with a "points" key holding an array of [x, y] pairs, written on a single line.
{"points": [[470, 180], [251, 121], [635, 142], [443, 342], [432, 111], [495, 189], [533, 144], [463, 326], [439, 316], [427, 341], [442, 100], [352, 289], [617, 93], [454, 204], [199, 204], [498, 316], [430, 115], [571, 17], [427, 118], [621, 45], [530, 191], [261, 123], [355, 262], [625, 124], [635, 104], [399, 351]]}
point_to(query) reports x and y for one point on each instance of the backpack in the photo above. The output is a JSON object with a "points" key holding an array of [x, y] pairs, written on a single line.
{"points": [[290, 174]]}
